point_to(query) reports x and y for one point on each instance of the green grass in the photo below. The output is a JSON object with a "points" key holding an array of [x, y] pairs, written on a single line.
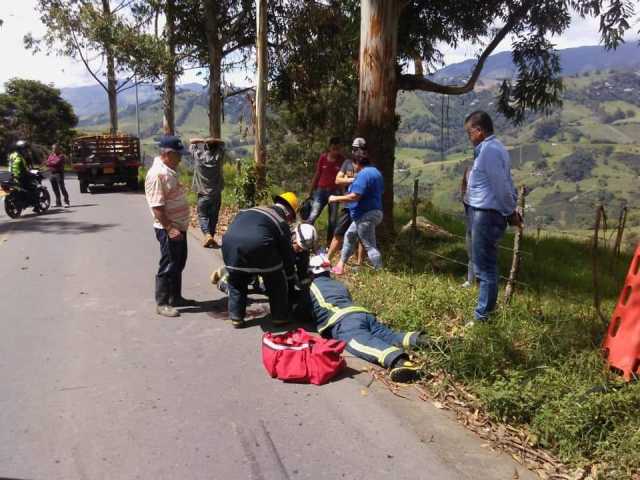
{"points": [[537, 363]]}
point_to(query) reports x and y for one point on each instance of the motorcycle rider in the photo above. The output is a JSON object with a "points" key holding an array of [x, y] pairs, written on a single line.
{"points": [[20, 171]]}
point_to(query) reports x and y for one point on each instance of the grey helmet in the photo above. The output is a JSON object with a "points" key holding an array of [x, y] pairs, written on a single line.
{"points": [[21, 145]]}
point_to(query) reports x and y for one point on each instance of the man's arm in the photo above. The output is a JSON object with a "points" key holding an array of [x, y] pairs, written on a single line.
{"points": [[161, 216], [349, 197], [343, 180], [316, 176], [496, 168]]}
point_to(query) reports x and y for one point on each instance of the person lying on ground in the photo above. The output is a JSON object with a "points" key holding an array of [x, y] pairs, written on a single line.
{"points": [[328, 304]]}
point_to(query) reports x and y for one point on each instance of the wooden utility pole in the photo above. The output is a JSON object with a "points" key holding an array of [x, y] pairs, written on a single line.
{"points": [[261, 92]]}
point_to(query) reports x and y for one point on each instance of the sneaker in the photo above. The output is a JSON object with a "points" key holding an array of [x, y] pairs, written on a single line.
{"points": [[183, 302], [167, 311], [466, 284], [237, 322], [404, 371]]}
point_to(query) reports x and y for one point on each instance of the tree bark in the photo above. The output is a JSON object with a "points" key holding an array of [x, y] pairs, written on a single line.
{"points": [[261, 92], [215, 68], [378, 90], [169, 94], [112, 81]]}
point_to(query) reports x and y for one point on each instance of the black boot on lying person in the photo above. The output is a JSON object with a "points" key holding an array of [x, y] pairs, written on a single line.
{"points": [[404, 371]]}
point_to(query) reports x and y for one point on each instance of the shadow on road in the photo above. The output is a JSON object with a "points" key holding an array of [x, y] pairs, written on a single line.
{"points": [[48, 224]]}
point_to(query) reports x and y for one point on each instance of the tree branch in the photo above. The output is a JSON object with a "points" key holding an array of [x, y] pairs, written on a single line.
{"points": [[238, 92], [86, 64], [417, 82]]}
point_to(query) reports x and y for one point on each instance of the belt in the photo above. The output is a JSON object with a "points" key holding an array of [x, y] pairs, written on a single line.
{"points": [[486, 210]]}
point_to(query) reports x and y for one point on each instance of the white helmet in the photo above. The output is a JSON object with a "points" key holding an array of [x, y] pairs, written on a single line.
{"points": [[306, 236], [319, 264]]}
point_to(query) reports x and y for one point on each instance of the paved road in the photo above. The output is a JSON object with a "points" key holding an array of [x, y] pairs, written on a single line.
{"points": [[94, 385]]}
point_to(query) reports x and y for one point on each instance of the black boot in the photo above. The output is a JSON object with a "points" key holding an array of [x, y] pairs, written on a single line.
{"points": [[404, 371]]}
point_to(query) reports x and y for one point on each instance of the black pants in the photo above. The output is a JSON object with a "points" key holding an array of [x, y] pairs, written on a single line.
{"points": [[173, 258], [275, 284], [57, 183]]}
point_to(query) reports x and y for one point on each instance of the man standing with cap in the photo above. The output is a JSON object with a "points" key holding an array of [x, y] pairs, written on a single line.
{"points": [[167, 200], [258, 242], [208, 156]]}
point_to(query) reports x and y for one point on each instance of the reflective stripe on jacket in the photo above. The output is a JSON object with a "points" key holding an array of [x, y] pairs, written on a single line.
{"points": [[330, 302], [18, 165], [259, 241]]}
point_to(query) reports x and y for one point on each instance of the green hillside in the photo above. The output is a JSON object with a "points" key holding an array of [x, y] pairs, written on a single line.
{"points": [[584, 154]]}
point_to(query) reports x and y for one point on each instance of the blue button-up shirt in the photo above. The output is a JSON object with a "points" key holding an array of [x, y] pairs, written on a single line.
{"points": [[490, 184]]}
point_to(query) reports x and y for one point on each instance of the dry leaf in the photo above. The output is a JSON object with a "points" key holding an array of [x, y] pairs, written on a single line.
{"points": [[364, 392], [438, 405]]}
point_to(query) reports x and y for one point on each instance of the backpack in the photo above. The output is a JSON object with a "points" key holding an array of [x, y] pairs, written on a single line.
{"points": [[305, 209], [297, 356]]}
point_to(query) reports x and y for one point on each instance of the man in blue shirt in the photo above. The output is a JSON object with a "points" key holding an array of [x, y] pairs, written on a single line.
{"points": [[491, 198], [364, 199]]}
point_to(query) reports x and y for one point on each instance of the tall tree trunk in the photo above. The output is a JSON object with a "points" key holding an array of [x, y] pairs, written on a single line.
{"points": [[215, 68], [169, 94], [261, 92], [112, 81], [378, 90]]}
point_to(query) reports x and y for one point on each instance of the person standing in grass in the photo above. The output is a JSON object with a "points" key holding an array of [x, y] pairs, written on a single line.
{"points": [[491, 199], [208, 182], [324, 185], [364, 199]]}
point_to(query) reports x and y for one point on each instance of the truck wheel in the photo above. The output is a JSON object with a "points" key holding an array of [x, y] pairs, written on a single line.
{"points": [[84, 186]]}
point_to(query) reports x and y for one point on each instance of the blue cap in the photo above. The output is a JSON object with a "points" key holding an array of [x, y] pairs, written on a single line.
{"points": [[171, 142]]}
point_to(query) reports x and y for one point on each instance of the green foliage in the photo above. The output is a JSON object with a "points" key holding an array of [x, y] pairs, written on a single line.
{"points": [[576, 166], [537, 362], [35, 112], [245, 191]]}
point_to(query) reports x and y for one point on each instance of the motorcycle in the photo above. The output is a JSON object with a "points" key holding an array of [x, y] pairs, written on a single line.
{"points": [[17, 199]]}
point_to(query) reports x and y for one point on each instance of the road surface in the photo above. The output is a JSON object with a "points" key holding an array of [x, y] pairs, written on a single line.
{"points": [[95, 385]]}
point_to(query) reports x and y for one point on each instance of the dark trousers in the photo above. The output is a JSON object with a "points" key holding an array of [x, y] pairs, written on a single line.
{"points": [[275, 284], [208, 210], [57, 183], [173, 258], [369, 339]]}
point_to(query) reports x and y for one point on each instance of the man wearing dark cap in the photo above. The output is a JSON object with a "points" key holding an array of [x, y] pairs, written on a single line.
{"points": [[168, 203]]}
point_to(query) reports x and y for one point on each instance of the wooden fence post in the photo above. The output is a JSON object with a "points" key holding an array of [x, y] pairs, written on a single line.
{"points": [[622, 221], [414, 226], [515, 261], [600, 218]]}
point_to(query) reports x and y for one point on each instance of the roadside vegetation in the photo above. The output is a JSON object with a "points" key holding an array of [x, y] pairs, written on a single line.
{"points": [[537, 364]]}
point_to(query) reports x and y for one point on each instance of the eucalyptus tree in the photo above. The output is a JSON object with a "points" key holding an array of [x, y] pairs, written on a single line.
{"points": [[395, 34], [101, 35]]}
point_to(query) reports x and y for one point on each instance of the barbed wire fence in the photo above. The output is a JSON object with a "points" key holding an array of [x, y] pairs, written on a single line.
{"points": [[600, 239]]}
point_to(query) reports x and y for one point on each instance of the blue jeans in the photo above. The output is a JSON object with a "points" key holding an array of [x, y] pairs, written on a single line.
{"points": [[487, 228], [208, 210], [173, 258], [369, 339], [365, 229], [320, 200]]}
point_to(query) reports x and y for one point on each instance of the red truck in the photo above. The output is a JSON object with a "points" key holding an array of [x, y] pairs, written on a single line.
{"points": [[106, 160]]}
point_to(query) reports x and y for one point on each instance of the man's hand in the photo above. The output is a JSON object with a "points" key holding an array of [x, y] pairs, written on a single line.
{"points": [[334, 198], [174, 233]]}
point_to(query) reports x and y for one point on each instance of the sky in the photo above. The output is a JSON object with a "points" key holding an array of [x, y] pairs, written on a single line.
{"points": [[20, 18]]}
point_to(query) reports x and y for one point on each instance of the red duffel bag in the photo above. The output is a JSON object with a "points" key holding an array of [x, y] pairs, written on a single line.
{"points": [[297, 356]]}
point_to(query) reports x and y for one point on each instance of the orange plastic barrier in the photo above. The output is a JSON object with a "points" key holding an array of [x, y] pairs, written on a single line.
{"points": [[621, 346]]}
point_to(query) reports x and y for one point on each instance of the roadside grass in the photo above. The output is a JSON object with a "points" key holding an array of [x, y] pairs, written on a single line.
{"points": [[537, 363]]}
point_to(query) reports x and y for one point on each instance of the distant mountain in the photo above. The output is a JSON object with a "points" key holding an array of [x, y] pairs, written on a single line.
{"points": [[573, 60], [92, 99]]}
